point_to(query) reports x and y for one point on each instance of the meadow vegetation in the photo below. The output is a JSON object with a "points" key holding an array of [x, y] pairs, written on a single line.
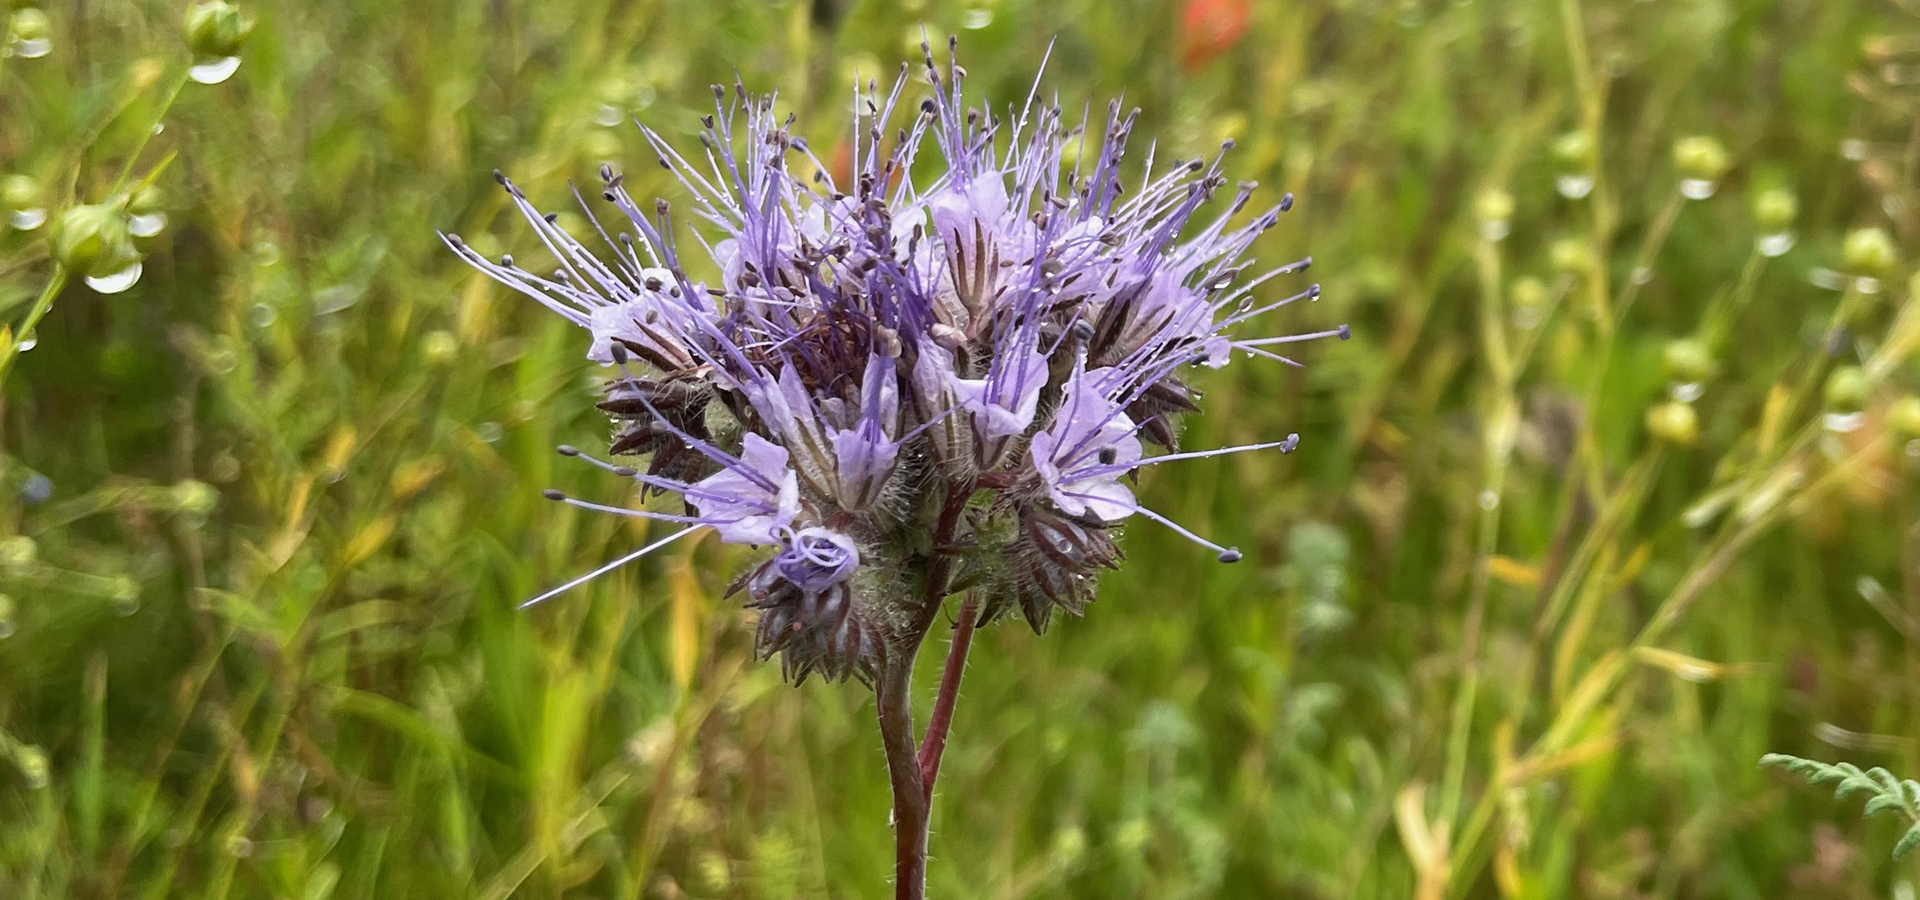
{"points": [[1612, 492]]}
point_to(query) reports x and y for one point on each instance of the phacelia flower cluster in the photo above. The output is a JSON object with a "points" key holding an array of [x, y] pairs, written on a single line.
{"points": [[902, 387]]}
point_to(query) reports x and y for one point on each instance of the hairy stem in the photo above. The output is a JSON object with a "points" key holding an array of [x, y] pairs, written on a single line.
{"points": [[893, 693], [943, 703], [911, 804]]}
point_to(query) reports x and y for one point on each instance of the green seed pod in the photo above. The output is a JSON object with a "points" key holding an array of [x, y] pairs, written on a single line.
{"points": [[1574, 151], [30, 25], [1775, 209], [1689, 361], [93, 240], [1847, 389], [215, 29], [19, 192], [1528, 293], [1903, 418], [1493, 205], [1674, 422], [1701, 158], [1571, 256], [195, 497], [438, 347], [1869, 251]]}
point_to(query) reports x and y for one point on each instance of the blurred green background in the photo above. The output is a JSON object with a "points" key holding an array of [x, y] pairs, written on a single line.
{"points": [[1499, 633]]}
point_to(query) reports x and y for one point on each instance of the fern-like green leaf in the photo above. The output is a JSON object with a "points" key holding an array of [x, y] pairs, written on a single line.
{"points": [[1907, 841], [1887, 792]]}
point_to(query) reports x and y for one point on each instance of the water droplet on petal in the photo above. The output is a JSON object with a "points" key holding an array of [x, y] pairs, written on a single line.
{"points": [[147, 225], [116, 282], [1697, 188], [1574, 187], [29, 219], [27, 342], [1775, 244], [214, 71]]}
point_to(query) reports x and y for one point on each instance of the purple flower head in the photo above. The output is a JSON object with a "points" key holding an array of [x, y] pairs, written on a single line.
{"points": [[814, 364]]}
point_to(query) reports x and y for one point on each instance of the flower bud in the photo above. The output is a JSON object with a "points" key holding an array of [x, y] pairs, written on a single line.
{"points": [[93, 240], [1869, 251], [1689, 360], [29, 25], [1847, 389], [1700, 158], [1903, 418], [215, 30], [1674, 422], [1775, 209]]}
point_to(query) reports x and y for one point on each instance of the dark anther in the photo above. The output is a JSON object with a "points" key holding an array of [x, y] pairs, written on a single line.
{"points": [[926, 107], [1286, 202], [500, 176], [625, 471], [1346, 332], [551, 218], [1108, 455], [1230, 555], [552, 494], [567, 450]]}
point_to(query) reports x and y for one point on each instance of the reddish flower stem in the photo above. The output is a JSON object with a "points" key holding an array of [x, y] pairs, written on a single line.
{"points": [[936, 740], [893, 695]]}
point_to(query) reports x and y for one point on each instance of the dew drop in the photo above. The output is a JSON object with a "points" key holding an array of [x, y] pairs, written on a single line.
{"points": [[1827, 279], [117, 281], [607, 115], [240, 847], [1495, 229], [1866, 285], [6, 629], [1843, 423], [146, 225], [27, 341], [1641, 275], [1697, 188], [978, 18], [262, 315], [1686, 392], [1489, 500], [1775, 244], [33, 49], [1526, 318], [1854, 149], [28, 219], [491, 432], [1913, 449], [159, 127], [1574, 187], [214, 71], [125, 607]]}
